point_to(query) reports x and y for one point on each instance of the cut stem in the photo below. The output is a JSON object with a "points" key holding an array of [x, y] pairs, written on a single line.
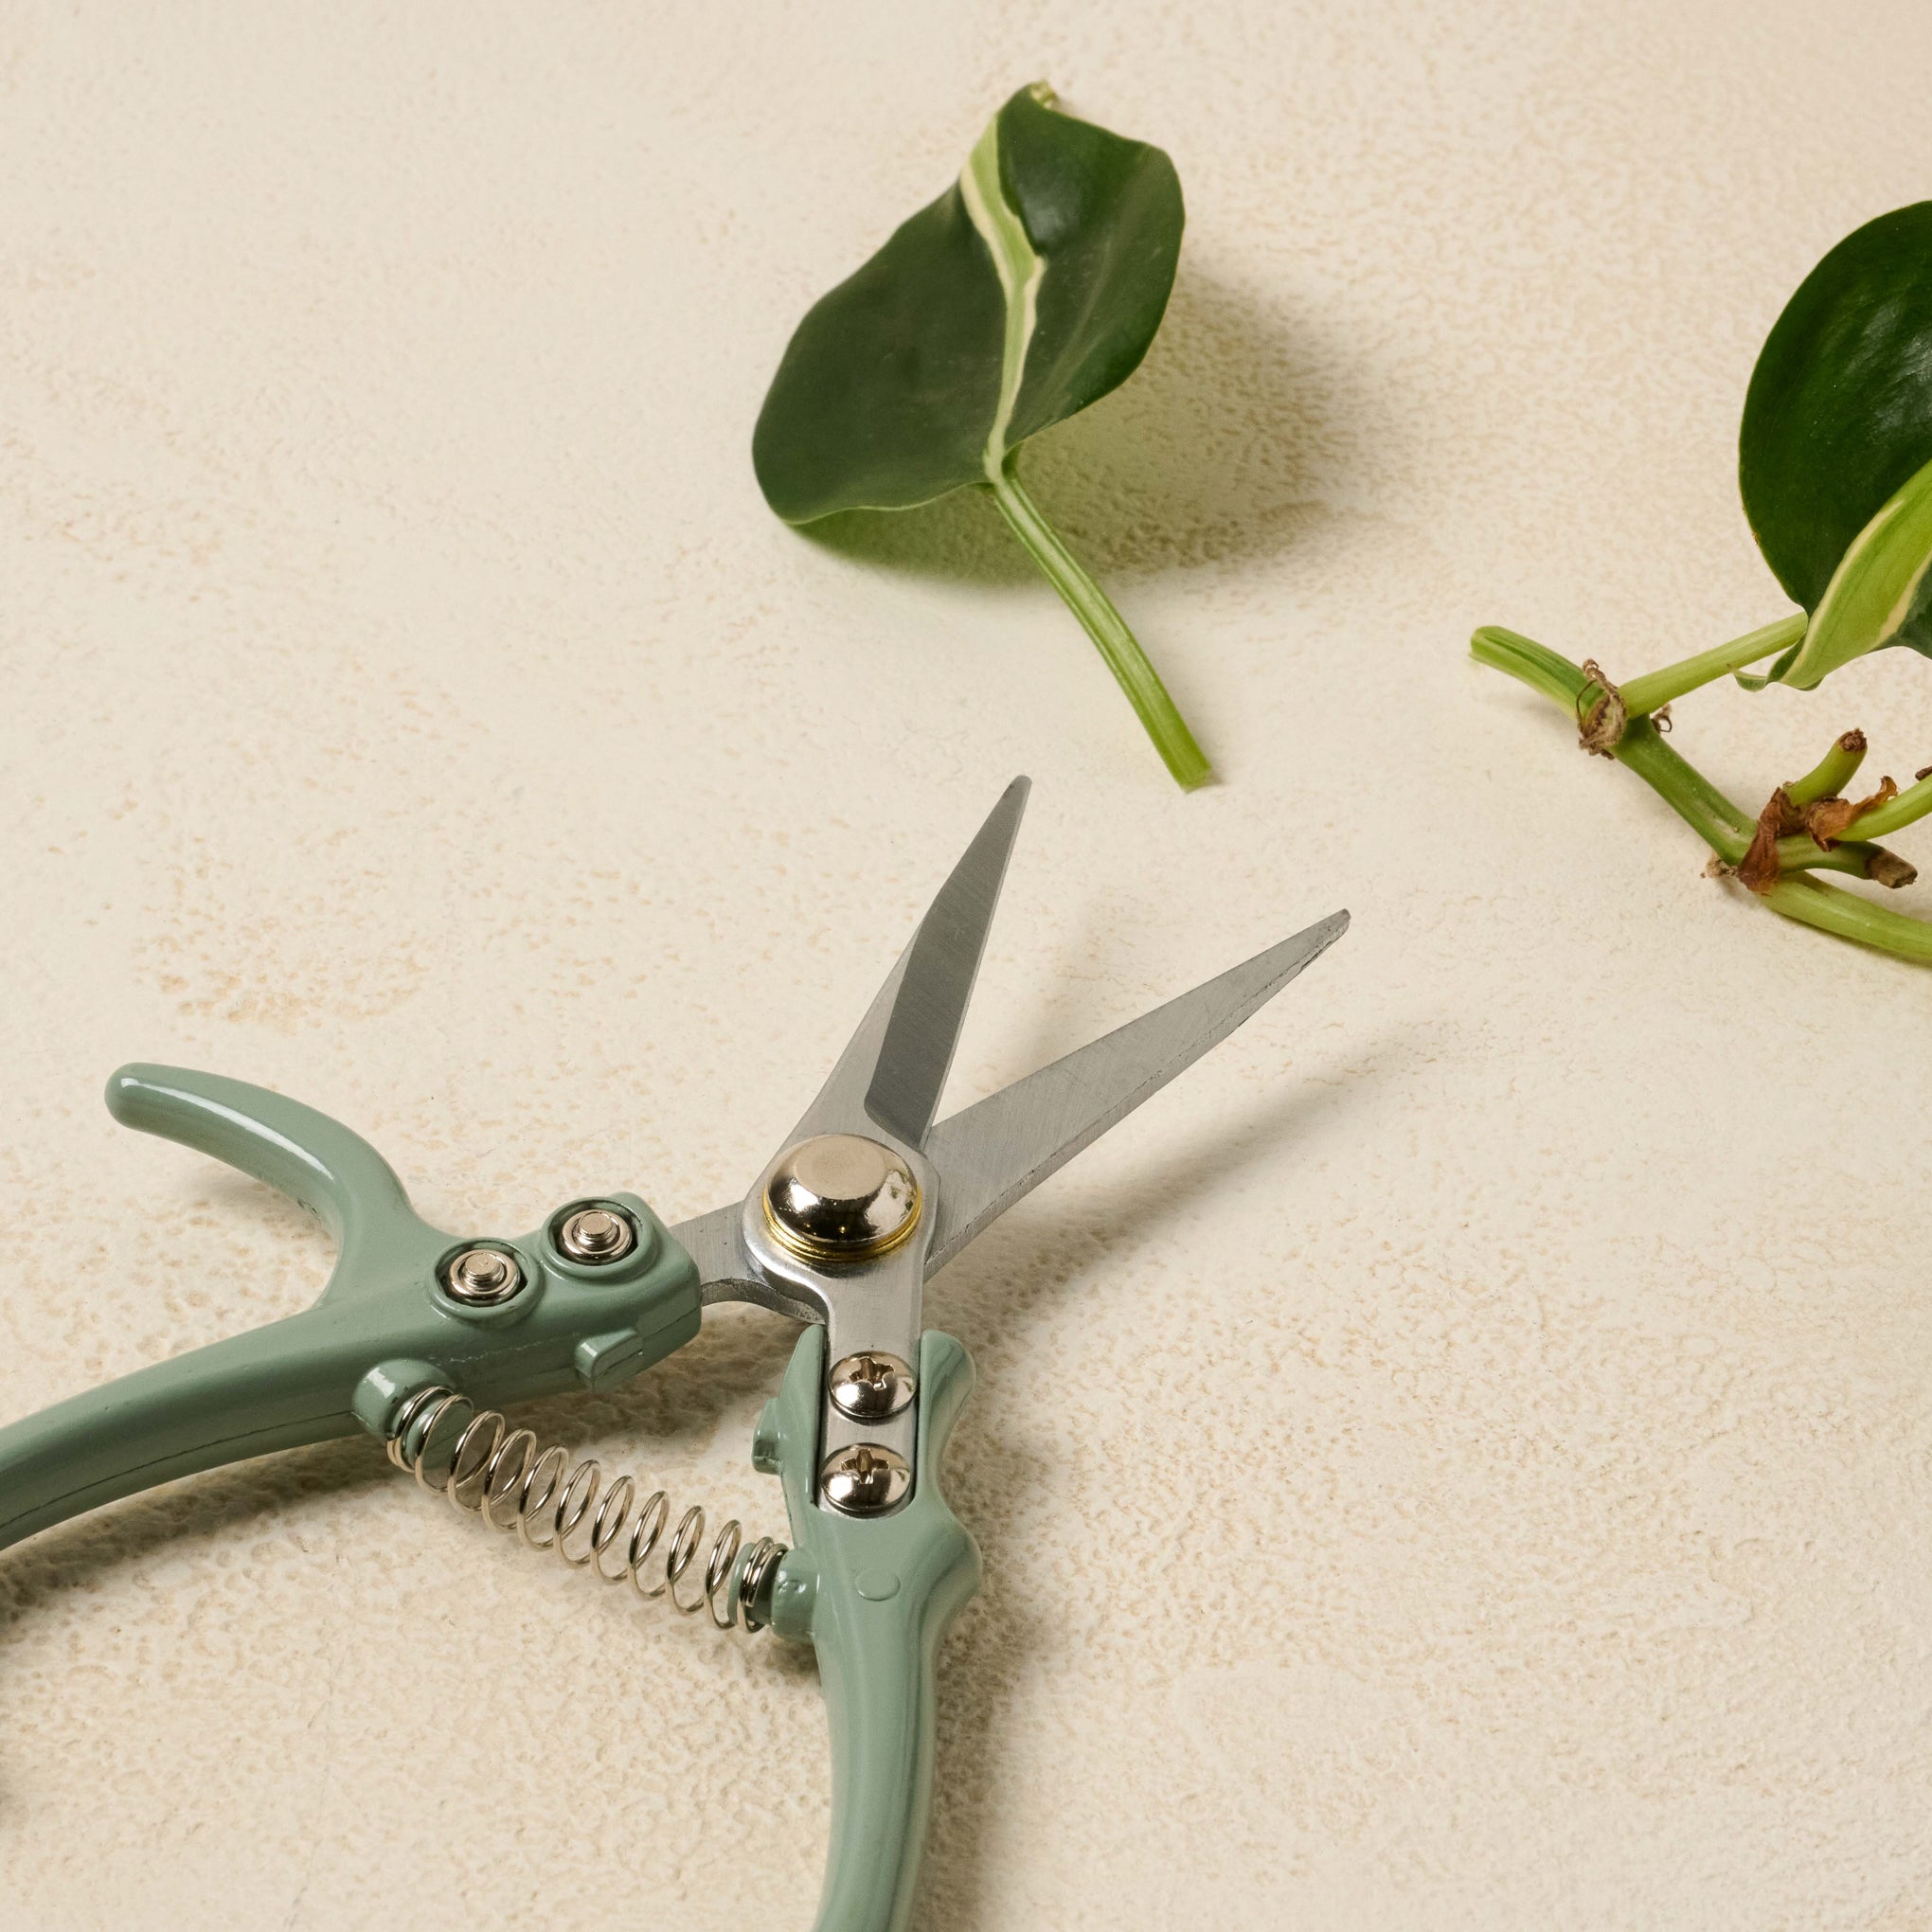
{"points": [[1831, 773], [1117, 644], [1656, 688], [1715, 819], [1863, 860]]}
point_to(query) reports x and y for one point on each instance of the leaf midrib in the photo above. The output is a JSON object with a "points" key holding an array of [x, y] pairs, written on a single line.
{"points": [[1019, 268]]}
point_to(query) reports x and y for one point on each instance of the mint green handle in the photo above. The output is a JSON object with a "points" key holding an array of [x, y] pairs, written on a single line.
{"points": [[876, 1599], [382, 1328]]}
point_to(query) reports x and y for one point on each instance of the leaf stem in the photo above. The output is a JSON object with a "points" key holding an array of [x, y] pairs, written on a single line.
{"points": [[1656, 688], [1117, 644]]}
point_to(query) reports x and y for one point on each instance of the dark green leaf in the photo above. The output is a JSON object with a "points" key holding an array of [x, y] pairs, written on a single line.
{"points": [[1838, 432], [1028, 290], [884, 394]]}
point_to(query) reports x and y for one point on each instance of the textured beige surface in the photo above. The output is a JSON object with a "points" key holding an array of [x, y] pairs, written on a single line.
{"points": [[1460, 1460]]}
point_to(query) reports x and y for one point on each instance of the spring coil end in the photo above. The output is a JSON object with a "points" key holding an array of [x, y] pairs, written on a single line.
{"points": [[472, 1459]]}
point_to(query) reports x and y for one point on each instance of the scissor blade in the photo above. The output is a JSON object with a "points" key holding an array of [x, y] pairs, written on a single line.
{"points": [[1004, 1146], [893, 1070], [725, 1273]]}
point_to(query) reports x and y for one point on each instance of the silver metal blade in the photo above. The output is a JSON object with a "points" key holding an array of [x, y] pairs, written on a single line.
{"points": [[716, 1242], [892, 1072], [725, 1273], [993, 1153]]}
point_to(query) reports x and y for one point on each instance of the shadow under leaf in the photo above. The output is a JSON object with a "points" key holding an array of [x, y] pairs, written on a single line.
{"points": [[1207, 454]]}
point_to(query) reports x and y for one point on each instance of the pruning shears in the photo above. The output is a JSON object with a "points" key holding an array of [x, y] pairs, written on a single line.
{"points": [[420, 1337]]}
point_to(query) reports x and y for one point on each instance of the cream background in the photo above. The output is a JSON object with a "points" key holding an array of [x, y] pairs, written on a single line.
{"points": [[1460, 1458]]}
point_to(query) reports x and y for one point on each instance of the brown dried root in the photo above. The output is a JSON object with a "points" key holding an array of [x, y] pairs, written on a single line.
{"points": [[1825, 821], [1759, 867], [1601, 730]]}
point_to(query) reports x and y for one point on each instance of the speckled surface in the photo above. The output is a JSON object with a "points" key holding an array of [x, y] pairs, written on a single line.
{"points": [[1459, 1461]]}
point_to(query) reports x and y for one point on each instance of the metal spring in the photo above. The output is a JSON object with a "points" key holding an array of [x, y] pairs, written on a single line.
{"points": [[503, 1477]]}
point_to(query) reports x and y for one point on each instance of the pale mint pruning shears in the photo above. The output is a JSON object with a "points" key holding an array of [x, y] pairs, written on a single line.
{"points": [[420, 1337]]}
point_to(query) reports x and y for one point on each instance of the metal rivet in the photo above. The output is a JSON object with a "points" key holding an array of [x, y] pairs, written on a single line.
{"points": [[871, 1386], [864, 1478], [482, 1276], [841, 1197], [597, 1236]]}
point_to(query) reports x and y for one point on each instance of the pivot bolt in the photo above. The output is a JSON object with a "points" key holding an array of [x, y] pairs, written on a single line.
{"points": [[597, 1236], [871, 1386], [482, 1276], [841, 1197], [863, 1479]]}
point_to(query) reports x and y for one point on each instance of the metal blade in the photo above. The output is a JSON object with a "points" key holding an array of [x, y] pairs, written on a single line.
{"points": [[1006, 1145], [893, 1070], [716, 1242], [725, 1273]]}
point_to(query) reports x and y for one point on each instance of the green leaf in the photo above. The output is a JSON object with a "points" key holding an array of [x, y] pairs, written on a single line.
{"points": [[1031, 288], [1880, 594], [1837, 438]]}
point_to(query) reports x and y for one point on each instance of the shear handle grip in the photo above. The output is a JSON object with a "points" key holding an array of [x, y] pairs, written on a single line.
{"points": [[327, 1168], [280, 1387], [276, 1388], [876, 1599], [382, 1327]]}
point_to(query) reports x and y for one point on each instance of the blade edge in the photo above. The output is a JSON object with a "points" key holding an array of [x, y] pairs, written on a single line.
{"points": [[997, 1151]]}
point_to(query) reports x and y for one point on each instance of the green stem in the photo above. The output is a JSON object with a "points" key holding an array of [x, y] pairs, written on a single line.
{"points": [[1703, 806], [1687, 791], [1105, 626], [1883, 820], [1831, 773], [1656, 688], [1802, 853], [1835, 910]]}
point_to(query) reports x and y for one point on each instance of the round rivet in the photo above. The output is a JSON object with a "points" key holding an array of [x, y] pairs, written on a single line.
{"points": [[841, 1197], [876, 1586], [871, 1386], [595, 1237], [863, 1479], [482, 1276]]}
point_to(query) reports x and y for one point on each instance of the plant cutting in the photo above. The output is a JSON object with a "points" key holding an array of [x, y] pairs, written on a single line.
{"points": [[1031, 288], [1836, 471]]}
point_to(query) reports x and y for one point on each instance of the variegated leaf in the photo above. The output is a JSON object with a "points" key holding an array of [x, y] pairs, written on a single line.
{"points": [[1836, 440], [1880, 594], [1026, 292]]}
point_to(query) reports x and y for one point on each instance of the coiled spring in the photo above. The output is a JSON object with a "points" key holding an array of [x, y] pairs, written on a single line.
{"points": [[502, 1475]]}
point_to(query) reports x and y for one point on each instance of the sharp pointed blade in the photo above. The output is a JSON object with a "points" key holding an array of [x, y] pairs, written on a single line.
{"points": [[892, 1073], [1005, 1145]]}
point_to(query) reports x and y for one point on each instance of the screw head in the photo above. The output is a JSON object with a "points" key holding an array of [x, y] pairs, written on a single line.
{"points": [[871, 1386], [841, 1197], [597, 1236], [863, 1479], [482, 1276]]}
